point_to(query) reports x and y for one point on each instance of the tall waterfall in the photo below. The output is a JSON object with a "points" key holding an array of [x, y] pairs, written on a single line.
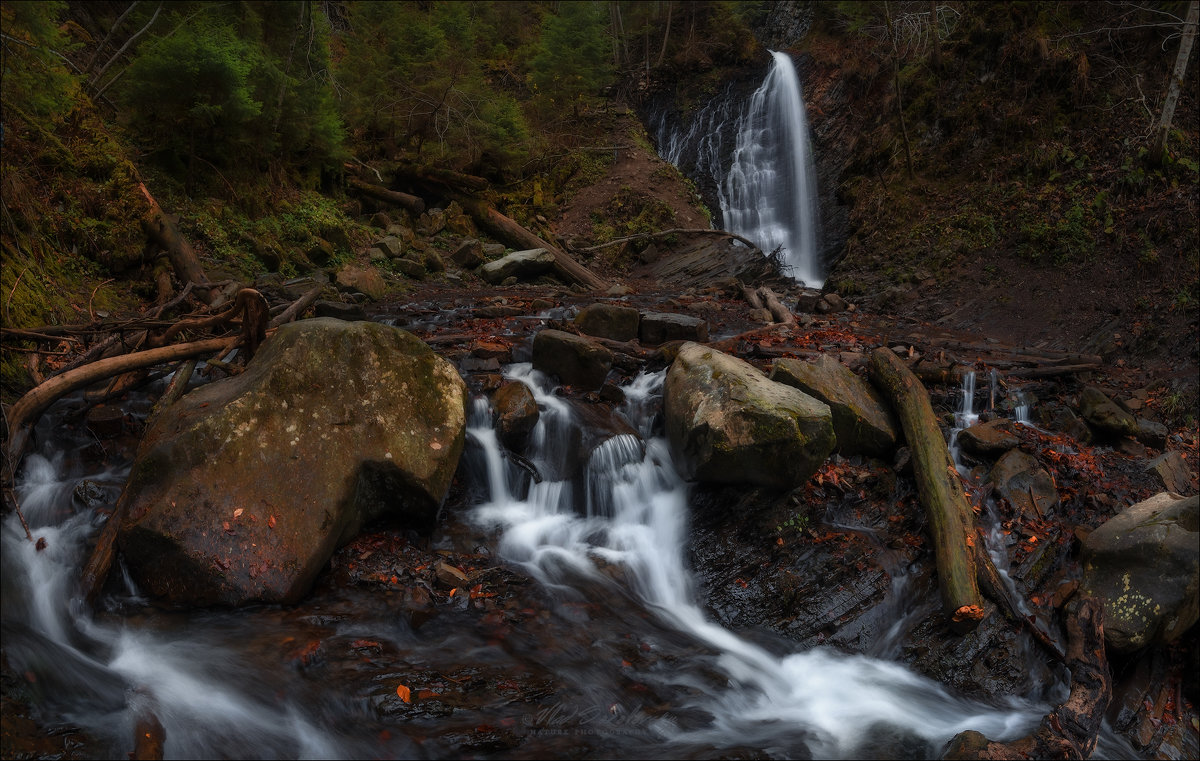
{"points": [[771, 191], [766, 185]]}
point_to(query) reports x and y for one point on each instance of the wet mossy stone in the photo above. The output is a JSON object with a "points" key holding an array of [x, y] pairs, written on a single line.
{"points": [[1105, 416], [990, 439], [242, 489], [862, 422], [1019, 478], [1144, 563], [576, 360], [521, 265], [728, 423]]}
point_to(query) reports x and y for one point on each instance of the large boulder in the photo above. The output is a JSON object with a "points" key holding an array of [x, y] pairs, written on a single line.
{"points": [[523, 265], [727, 423], [576, 360], [243, 488], [1144, 563], [1105, 416], [1020, 479], [612, 321], [862, 422]]}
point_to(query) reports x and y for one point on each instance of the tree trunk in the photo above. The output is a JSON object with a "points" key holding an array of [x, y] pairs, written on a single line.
{"points": [[779, 312], [100, 48], [179, 251], [287, 69], [128, 42], [403, 200], [662, 53], [508, 231], [447, 177], [946, 505], [1176, 83], [899, 97]]}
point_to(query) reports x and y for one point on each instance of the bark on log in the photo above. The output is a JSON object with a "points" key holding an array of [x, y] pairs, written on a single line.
{"points": [[403, 200], [449, 178], [25, 412], [1071, 729], [779, 312], [751, 296], [179, 251], [950, 518], [297, 308], [508, 231]]}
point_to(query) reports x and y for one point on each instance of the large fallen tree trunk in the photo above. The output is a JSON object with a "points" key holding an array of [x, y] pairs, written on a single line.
{"points": [[946, 505], [508, 231], [415, 173], [183, 258], [1071, 729], [403, 200], [674, 231]]}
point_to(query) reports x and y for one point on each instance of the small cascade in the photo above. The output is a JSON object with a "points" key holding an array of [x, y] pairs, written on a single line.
{"points": [[815, 702]]}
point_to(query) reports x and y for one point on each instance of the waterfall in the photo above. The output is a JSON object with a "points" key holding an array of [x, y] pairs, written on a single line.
{"points": [[765, 182], [770, 192]]}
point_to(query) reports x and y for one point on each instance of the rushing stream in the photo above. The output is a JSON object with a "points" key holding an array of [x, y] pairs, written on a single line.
{"points": [[608, 550]]}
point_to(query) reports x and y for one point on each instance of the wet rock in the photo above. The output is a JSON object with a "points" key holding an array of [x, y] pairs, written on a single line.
{"points": [[576, 360], [391, 246], [244, 487], [105, 421], [833, 303], [434, 261], [1144, 564], [1172, 471], [492, 350], [1064, 420], [339, 311], [516, 414], [468, 254], [611, 321], [727, 423], [1152, 434], [431, 222], [522, 265], [1018, 478], [1105, 416], [364, 280], [990, 439], [807, 301], [495, 311], [862, 422], [660, 327], [493, 249]]}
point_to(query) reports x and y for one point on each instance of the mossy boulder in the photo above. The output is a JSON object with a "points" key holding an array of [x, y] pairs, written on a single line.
{"points": [[1107, 418], [862, 422], [728, 423], [1144, 563], [242, 489]]}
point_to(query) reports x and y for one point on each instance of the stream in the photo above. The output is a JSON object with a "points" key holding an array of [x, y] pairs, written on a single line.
{"points": [[615, 654]]}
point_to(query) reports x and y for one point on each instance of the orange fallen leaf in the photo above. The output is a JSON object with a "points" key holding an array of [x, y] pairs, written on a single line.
{"points": [[426, 694], [970, 541], [238, 512], [404, 693], [271, 522]]}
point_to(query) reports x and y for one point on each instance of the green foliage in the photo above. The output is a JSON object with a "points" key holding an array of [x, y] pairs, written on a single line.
{"points": [[35, 78], [573, 62], [418, 79], [227, 86], [796, 525]]}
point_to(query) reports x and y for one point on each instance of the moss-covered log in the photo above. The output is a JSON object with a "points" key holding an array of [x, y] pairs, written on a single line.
{"points": [[949, 512], [403, 200]]}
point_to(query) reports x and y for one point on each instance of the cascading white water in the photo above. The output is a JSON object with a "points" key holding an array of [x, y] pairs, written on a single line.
{"points": [[818, 700], [770, 193]]}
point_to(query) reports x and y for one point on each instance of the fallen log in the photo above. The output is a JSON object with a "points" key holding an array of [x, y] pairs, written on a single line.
{"points": [[779, 312], [508, 231], [180, 253], [25, 412], [297, 308], [446, 177], [946, 504], [1072, 728], [403, 200], [751, 296]]}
